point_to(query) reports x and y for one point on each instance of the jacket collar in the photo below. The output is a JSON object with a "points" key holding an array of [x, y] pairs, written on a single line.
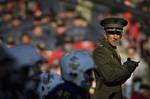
{"points": [[109, 47]]}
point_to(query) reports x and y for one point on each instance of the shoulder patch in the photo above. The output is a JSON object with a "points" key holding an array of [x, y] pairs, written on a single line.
{"points": [[99, 44]]}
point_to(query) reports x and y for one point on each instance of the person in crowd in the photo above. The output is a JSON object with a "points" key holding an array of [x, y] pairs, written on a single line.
{"points": [[140, 89], [10, 42], [25, 39], [132, 52], [76, 68], [79, 29], [110, 72], [13, 82], [47, 80]]}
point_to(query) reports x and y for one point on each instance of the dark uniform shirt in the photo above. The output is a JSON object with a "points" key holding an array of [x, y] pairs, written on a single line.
{"points": [[68, 90]]}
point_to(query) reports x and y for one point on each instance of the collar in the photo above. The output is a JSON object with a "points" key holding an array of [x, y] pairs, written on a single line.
{"points": [[107, 45]]}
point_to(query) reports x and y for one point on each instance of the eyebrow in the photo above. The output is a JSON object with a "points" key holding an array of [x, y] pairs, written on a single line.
{"points": [[114, 32]]}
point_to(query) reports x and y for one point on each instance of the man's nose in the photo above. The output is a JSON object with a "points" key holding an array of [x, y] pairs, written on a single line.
{"points": [[115, 35]]}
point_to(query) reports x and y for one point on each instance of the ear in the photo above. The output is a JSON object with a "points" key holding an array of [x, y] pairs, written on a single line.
{"points": [[120, 36], [105, 35]]}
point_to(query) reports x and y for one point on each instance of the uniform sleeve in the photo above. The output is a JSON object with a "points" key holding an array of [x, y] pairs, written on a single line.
{"points": [[109, 73]]}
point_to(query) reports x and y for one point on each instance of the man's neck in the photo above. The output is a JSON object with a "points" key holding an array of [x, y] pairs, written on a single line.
{"points": [[114, 47]]}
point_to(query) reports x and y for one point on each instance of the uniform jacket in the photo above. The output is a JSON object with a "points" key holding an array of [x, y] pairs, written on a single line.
{"points": [[110, 73]]}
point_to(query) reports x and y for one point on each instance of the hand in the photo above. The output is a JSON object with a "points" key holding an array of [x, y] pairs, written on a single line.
{"points": [[129, 59], [131, 62]]}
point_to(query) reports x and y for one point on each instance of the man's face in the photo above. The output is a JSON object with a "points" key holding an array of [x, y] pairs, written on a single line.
{"points": [[113, 39]]}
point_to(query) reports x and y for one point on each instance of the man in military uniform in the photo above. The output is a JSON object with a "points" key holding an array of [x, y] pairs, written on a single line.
{"points": [[110, 73]]}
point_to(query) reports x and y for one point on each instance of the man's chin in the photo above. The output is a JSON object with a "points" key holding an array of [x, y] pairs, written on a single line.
{"points": [[114, 45]]}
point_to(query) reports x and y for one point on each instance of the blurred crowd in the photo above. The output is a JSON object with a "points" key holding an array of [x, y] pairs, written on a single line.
{"points": [[34, 35]]}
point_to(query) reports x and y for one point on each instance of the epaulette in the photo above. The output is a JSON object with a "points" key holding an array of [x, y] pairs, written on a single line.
{"points": [[99, 44]]}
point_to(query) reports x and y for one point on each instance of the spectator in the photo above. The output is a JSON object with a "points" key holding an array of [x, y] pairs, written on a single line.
{"points": [[76, 83]]}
